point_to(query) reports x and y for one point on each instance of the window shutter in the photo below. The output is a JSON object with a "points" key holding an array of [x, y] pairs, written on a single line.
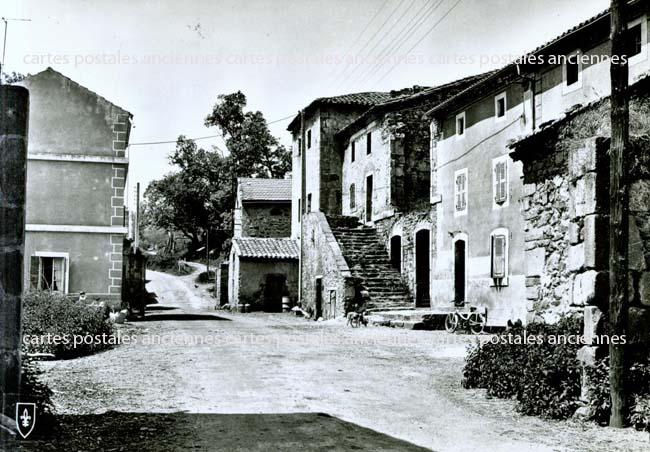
{"points": [[498, 256], [500, 182], [34, 264], [463, 191]]}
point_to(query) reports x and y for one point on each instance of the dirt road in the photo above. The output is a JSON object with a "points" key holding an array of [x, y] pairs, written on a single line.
{"points": [[200, 379]]}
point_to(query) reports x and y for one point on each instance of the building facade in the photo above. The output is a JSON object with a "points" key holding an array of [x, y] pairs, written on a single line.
{"points": [[485, 248], [76, 174], [263, 263]]}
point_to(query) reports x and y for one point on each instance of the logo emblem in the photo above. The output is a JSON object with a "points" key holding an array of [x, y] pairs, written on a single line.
{"points": [[25, 418]]}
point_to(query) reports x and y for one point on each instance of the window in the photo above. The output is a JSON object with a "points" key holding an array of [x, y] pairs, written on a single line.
{"points": [[500, 106], [460, 192], [353, 151], [309, 139], [633, 40], [499, 257], [636, 40], [49, 271], [309, 203], [353, 197], [572, 72], [460, 125], [500, 180], [368, 143]]}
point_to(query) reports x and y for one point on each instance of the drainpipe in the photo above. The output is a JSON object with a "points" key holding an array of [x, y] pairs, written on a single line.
{"points": [[303, 198]]}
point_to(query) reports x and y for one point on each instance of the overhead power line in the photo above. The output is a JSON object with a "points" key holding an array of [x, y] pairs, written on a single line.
{"points": [[419, 18], [381, 27], [201, 138], [356, 40], [435, 25]]}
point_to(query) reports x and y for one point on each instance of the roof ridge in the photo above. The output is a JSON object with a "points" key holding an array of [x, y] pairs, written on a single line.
{"points": [[79, 85]]}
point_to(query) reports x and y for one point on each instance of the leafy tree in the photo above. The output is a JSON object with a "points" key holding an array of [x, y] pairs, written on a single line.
{"points": [[195, 198], [14, 77], [253, 151], [199, 196]]}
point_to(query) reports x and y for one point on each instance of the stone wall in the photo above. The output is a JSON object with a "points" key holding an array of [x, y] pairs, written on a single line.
{"points": [[566, 209], [564, 215], [323, 259], [266, 220]]}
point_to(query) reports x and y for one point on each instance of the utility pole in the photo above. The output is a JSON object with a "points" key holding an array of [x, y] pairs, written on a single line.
{"points": [[136, 233], [14, 117], [618, 213], [302, 202]]}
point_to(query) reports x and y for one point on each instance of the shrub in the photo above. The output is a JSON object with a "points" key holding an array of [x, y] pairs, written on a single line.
{"points": [[50, 314], [638, 391], [542, 376], [640, 417], [168, 263], [205, 277], [33, 389]]}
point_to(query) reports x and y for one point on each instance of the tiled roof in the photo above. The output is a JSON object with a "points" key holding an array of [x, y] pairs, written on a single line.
{"points": [[253, 189], [365, 99], [266, 248], [395, 103], [469, 94]]}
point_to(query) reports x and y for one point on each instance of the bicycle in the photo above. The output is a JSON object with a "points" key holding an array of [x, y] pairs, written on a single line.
{"points": [[474, 320]]}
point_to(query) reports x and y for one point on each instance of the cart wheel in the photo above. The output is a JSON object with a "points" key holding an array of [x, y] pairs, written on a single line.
{"points": [[477, 323], [451, 322]]}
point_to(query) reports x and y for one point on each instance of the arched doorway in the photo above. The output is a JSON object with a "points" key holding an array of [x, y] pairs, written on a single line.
{"points": [[422, 268], [396, 252]]}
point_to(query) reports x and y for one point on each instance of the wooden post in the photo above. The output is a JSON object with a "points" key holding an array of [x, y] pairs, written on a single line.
{"points": [[14, 114], [618, 217]]}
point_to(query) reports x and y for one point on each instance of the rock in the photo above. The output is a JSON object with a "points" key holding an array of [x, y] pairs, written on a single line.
{"points": [[584, 413], [589, 287], [592, 323], [638, 327], [587, 356], [644, 289], [576, 258], [574, 233], [640, 196], [636, 252], [535, 260], [595, 233]]}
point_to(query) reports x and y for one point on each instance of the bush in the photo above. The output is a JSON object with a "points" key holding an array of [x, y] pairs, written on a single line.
{"points": [[33, 389], [543, 377], [168, 263], [638, 393], [640, 417], [206, 277], [54, 314]]}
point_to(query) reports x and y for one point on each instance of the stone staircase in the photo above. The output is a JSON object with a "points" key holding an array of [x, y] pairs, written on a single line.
{"points": [[368, 260]]}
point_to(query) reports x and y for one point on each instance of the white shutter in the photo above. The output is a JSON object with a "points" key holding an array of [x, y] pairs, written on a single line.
{"points": [[498, 256]]}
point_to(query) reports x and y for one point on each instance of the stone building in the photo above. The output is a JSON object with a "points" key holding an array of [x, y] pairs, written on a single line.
{"points": [[485, 250], [77, 169], [566, 187], [379, 178], [315, 133], [386, 178], [263, 262]]}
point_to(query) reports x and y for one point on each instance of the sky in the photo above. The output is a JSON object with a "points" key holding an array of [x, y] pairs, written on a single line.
{"points": [[166, 61]]}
